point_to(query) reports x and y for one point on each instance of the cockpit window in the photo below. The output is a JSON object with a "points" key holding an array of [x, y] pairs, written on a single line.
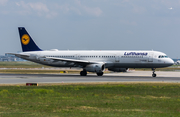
{"points": [[162, 56]]}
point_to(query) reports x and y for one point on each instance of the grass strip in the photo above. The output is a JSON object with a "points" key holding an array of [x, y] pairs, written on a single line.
{"points": [[104, 99]]}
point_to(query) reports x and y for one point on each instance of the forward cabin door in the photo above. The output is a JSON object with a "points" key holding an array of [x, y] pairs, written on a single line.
{"points": [[150, 57]]}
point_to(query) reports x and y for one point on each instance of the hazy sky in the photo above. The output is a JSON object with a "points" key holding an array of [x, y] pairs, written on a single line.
{"points": [[92, 24]]}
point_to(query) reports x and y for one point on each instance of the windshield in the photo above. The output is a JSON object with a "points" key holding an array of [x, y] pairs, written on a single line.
{"points": [[163, 56]]}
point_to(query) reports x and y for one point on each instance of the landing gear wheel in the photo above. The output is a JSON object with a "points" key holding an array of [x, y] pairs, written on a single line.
{"points": [[83, 73], [153, 75], [99, 74]]}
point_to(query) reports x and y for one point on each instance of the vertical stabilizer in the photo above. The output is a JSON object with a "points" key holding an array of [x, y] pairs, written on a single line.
{"points": [[26, 41]]}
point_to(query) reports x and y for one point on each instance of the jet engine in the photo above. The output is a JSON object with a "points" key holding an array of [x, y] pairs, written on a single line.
{"points": [[118, 69], [98, 68]]}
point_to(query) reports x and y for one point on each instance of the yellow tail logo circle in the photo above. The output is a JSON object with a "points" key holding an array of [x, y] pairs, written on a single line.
{"points": [[25, 39]]}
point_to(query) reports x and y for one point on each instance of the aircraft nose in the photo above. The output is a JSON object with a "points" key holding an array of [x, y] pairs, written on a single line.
{"points": [[170, 61]]}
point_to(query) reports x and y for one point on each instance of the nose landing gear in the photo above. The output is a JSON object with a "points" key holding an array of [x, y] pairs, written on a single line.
{"points": [[153, 75]]}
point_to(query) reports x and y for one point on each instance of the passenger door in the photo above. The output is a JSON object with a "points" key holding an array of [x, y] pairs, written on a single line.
{"points": [[117, 58], [150, 57], [78, 56]]}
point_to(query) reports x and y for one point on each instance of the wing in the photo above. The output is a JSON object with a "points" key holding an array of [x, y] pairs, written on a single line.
{"points": [[77, 62]]}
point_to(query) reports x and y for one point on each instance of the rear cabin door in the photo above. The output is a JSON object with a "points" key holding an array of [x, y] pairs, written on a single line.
{"points": [[117, 58], [78, 56]]}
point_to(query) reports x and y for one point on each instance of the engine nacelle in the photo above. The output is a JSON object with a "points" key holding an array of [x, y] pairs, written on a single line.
{"points": [[118, 69], [98, 68]]}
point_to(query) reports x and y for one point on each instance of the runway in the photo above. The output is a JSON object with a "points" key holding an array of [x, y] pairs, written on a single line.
{"points": [[132, 76]]}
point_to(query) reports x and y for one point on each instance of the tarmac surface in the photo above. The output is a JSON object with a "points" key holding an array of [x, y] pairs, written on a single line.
{"points": [[131, 76]]}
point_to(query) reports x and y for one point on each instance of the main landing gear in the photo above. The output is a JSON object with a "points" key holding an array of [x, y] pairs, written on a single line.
{"points": [[83, 73], [99, 74], [153, 75]]}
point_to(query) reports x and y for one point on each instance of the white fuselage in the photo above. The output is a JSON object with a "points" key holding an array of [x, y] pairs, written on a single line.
{"points": [[111, 59], [91, 61]]}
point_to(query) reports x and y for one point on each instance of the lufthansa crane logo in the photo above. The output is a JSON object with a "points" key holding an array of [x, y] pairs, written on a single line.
{"points": [[25, 39]]}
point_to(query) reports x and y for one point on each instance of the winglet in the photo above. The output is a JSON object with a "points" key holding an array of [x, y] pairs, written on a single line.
{"points": [[26, 41]]}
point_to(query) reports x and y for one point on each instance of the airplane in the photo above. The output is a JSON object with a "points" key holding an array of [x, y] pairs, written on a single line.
{"points": [[177, 62], [91, 61]]}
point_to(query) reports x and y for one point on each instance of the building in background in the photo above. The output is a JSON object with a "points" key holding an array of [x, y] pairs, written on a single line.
{"points": [[8, 57]]}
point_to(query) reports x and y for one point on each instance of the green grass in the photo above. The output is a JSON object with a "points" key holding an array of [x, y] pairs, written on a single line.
{"points": [[98, 100]]}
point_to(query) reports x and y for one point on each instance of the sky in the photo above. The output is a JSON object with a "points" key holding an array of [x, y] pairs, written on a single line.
{"points": [[92, 25]]}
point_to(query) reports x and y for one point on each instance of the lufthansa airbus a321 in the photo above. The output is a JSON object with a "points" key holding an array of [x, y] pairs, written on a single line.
{"points": [[91, 61]]}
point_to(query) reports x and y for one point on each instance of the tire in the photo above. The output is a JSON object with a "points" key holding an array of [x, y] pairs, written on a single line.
{"points": [[99, 74], [83, 73], [153, 75]]}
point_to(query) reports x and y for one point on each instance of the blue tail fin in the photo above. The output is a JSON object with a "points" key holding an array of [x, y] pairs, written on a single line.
{"points": [[26, 41]]}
